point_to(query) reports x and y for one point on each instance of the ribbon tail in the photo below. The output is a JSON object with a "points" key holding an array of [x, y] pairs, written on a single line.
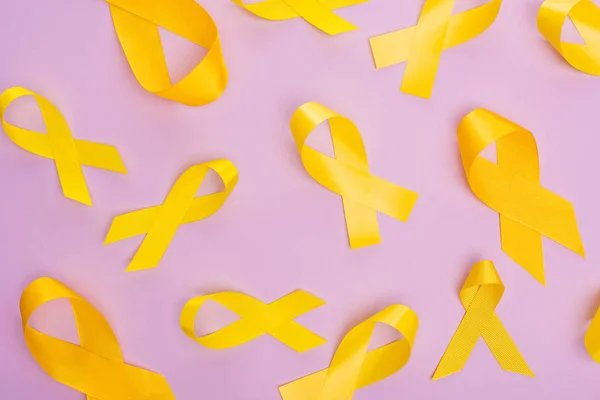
{"points": [[504, 349], [524, 246]]}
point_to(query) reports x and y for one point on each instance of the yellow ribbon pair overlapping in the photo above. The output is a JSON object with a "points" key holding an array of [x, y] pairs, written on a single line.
{"points": [[512, 188], [136, 23], [353, 366], [585, 15], [316, 12], [480, 295], [58, 144], [256, 319], [421, 46], [160, 223], [95, 367], [348, 175]]}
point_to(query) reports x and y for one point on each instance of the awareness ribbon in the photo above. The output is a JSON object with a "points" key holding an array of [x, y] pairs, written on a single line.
{"points": [[592, 338], [480, 295], [58, 144], [95, 367], [160, 223], [585, 15], [348, 174], [256, 319], [316, 12], [136, 23], [421, 46], [512, 188], [353, 366]]}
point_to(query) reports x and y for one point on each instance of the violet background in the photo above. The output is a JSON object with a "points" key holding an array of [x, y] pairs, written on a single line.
{"points": [[280, 231]]}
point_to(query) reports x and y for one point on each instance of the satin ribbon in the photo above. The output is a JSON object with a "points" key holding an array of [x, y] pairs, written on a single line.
{"points": [[512, 188], [585, 15], [480, 295], [95, 367], [160, 223], [58, 144], [592, 338], [316, 12], [421, 46], [136, 23], [353, 366], [256, 319], [348, 174]]}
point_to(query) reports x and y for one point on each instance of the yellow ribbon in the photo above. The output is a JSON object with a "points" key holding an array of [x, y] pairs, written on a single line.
{"points": [[592, 338], [585, 15], [348, 174], [95, 367], [58, 144], [512, 188], [353, 366], [256, 319], [421, 46], [160, 223], [136, 23], [480, 295], [316, 12]]}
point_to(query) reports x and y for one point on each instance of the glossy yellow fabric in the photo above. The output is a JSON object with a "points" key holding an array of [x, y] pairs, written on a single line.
{"points": [[480, 295], [421, 46], [585, 15], [512, 188], [592, 338], [316, 12], [95, 367], [136, 23], [256, 319], [348, 174], [353, 366], [160, 223], [58, 144]]}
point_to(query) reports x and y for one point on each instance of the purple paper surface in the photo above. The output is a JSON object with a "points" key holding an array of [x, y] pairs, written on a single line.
{"points": [[280, 230]]}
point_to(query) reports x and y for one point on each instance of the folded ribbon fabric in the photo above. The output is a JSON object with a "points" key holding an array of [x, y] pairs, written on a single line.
{"points": [[160, 223], [316, 12], [348, 174], [480, 295], [592, 338], [353, 366], [95, 367], [512, 188], [585, 15], [256, 319], [421, 46], [136, 23], [58, 144]]}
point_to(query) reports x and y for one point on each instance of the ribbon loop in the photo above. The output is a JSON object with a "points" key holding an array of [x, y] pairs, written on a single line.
{"points": [[58, 144], [95, 367], [421, 46], [348, 174], [480, 295], [353, 366], [136, 23], [160, 223], [585, 15], [316, 12], [256, 319], [512, 188]]}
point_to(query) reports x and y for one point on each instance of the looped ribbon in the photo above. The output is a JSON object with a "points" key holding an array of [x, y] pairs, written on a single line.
{"points": [[585, 15], [421, 46], [136, 23], [592, 338], [58, 144], [363, 194], [160, 223], [353, 366], [480, 295], [95, 367], [512, 188], [316, 12], [256, 319]]}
